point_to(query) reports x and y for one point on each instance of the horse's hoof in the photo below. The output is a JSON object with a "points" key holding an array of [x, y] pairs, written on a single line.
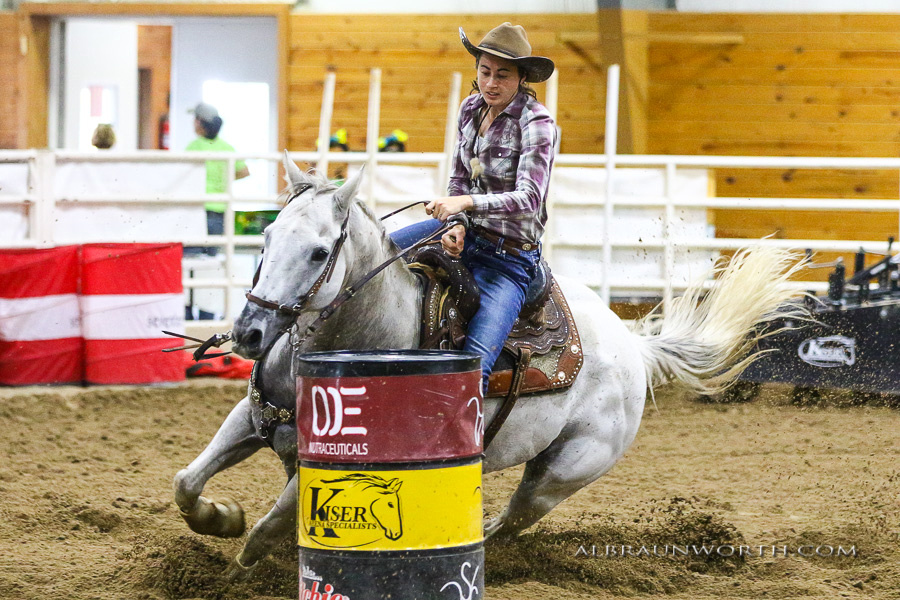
{"points": [[222, 519], [492, 527], [237, 572]]}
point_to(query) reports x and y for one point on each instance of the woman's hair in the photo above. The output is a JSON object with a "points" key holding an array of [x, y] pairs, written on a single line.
{"points": [[523, 86], [211, 128], [104, 137]]}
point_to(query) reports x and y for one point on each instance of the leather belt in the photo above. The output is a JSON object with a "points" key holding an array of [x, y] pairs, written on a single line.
{"points": [[513, 248]]}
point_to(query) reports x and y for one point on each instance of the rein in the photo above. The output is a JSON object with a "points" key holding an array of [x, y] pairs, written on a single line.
{"points": [[296, 309], [270, 414], [353, 288]]}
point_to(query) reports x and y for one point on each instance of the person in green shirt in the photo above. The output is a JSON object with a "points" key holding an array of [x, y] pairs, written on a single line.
{"points": [[207, 124]]}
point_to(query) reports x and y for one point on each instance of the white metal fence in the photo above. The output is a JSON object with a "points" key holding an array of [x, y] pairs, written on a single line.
{"points": [[41, 200]]}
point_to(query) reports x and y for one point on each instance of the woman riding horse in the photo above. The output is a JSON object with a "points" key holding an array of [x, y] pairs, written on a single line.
{"points": [[500, 177], [326, 246]]}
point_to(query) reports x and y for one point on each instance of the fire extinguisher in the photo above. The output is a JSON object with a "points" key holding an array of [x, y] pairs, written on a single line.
{"points": [[164, 132]]}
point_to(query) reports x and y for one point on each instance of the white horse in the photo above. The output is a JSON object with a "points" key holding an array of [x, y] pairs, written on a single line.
{"points": [[567, 438]]}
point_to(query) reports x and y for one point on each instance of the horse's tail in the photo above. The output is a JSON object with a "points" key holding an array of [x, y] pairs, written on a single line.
{"points": [[705, 343]]}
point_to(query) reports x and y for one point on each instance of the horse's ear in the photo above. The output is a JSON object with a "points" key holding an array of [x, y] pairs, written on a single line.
{"points": [[347, 192], [292, 173], [394, 485]]}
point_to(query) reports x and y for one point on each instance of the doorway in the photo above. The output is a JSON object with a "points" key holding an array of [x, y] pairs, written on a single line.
{"points": [[142, 76]]}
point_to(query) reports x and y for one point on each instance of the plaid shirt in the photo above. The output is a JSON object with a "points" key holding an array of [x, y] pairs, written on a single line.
{"points": [[517, 152]]}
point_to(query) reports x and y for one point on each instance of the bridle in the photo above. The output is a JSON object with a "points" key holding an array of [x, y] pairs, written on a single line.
{"points": [[295, 309], [271, 415], [201, 347]]}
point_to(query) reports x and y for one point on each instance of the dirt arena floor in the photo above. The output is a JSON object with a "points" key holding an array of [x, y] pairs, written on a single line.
{"points": [[86, 509]]}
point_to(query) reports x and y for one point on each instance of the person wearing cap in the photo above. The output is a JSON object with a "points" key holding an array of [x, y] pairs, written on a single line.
{"points": [[396, 142], [500, 176], [207, 124]]}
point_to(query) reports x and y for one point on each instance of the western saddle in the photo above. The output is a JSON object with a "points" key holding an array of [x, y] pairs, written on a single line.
{"points": [[543, 351]]}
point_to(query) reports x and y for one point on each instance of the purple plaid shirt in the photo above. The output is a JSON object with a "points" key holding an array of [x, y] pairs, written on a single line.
{"points": [[517, 152]]}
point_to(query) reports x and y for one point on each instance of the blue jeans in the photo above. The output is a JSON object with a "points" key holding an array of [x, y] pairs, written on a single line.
{"points": [[503, 280]]}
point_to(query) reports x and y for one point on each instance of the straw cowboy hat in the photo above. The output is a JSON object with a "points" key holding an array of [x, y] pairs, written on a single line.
{"points": [[510, 42]]}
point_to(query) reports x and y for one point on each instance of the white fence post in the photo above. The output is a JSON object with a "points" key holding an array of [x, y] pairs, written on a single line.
{"points": [[453, 101], [325, 122], [372, 133], [229, 238], [668, 247], [553, 109], [612, 128], [45, 198]]}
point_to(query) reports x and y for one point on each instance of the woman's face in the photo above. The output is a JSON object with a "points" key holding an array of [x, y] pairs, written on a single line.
{"points": [[498, 80]]}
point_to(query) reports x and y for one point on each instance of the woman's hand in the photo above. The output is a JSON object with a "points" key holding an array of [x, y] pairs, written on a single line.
{"points": [[444, 208], [453, 241]]}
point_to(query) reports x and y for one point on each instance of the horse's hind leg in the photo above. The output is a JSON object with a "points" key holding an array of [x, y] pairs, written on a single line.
{"points": [[235, 441], [267, 533], [551, 477]]}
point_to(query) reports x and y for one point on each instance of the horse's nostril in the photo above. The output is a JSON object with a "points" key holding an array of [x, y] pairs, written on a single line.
{"points": [[253, 338]]}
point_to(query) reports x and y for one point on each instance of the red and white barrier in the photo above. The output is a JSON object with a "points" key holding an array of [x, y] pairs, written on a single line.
{"points": [[130, 293], [40, 329]]}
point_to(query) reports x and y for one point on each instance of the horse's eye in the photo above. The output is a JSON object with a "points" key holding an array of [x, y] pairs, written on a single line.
{"points": [[391, 504], [319, 254]]}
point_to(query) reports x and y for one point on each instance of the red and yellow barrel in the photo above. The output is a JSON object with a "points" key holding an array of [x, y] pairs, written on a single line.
{"points": [[389, 472]]}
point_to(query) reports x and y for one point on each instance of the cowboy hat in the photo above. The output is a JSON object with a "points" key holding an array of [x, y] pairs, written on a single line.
{"points": [[510, 42]]}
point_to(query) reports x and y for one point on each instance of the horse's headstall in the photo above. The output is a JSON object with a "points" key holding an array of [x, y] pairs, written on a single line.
{"points": [[298, 192]]}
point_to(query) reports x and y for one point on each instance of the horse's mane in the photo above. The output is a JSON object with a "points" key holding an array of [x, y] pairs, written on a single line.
{"points": [[362, 478], [319, 183], [312, 178]]}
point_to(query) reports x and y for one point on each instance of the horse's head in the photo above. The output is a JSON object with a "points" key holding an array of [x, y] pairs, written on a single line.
{"points": [[386, 509], [303, 263]]}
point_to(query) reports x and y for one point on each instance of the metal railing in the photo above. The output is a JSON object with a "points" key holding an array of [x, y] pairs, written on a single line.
{"points": [[42, 201]]}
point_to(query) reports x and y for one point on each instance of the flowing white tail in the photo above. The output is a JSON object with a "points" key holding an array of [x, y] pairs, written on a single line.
{"points": [[704, 344]]}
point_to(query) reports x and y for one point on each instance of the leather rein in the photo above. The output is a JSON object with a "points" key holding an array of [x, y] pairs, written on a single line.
{"points": [[202, 347], [295, 309]]}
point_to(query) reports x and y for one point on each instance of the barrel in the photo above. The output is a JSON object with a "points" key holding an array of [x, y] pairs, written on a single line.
{"points": [[131, 293], [389, 475], [40, 323]]}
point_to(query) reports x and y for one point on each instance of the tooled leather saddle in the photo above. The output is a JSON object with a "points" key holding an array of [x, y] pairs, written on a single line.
{"points": [[543, 351]]}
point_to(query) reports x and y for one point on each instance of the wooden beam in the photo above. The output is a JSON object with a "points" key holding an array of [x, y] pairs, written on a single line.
{"points": [[709, 39], [34, 80], [581, 38], [284, 54], [623, 41], [586, 56], [177, 9]]}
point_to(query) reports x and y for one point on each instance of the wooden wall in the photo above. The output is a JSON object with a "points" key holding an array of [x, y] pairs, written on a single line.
{"points": [[742, 84], [797, 85], [155, 55], [9, 80], [417, 55]]}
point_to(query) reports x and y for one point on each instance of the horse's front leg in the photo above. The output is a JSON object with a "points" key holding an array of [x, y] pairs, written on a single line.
{"points": [[235, 441], [267, 533]]}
